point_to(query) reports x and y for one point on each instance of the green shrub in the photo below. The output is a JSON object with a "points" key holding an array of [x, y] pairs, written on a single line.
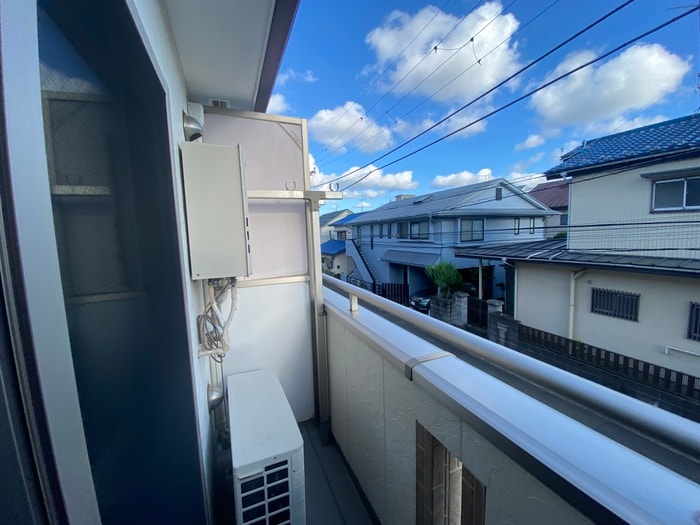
{"points": [[445, 277]]}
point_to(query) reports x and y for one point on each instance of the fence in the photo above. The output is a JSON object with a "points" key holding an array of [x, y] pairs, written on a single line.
{"points": [[672, 390], [397, 292], [477, 312]]}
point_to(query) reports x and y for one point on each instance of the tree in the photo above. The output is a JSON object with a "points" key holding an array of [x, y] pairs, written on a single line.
{"points": [[445, 277]]}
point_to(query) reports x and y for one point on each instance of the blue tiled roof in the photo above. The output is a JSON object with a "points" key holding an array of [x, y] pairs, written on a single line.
{"points": [[673, 136], [330, 218], [333, 247], [344, 220]]}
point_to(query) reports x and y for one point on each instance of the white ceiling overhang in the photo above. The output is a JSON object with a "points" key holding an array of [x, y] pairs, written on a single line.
{"points": [[231, 49]]}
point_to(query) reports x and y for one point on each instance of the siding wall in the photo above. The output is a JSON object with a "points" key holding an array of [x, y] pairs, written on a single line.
{"points": [[374, 410], [626, 197], [663, 312]]}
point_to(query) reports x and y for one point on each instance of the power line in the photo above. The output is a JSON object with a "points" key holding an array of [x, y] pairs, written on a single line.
{"points": [[431, 73], [444, 86], [489, 91], [526, 95], [330, 127]]}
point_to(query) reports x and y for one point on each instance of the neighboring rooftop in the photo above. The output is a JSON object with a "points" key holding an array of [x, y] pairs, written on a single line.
{"points": [[345, 220], [554, 194], [677, 138], [445, 202], [333, 247], [333, 217], [555, 252]]}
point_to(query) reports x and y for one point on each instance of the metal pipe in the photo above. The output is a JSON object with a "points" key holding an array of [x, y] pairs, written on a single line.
{"points": [[572, 299]]}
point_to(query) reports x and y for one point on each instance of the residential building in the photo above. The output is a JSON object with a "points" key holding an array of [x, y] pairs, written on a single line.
{"points": [[555, 195], [626, 277], [397, 241], [334, 259], [107, 387], [328, 220]]}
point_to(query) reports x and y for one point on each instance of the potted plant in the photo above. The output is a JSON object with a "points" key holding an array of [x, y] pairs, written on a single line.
{"points": [[446, 279]]}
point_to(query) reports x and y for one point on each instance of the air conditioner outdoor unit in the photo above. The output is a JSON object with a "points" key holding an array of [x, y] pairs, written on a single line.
{"points": [[266, 450]]}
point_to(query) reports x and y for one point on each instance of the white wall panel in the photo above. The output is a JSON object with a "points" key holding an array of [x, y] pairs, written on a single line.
{"points": [[271, 330]]}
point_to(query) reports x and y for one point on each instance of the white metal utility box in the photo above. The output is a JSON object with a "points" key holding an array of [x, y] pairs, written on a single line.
{"points": [[267, 452]]}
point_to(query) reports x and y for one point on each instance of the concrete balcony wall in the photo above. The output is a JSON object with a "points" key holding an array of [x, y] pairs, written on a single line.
{"points": [[383, 379], [374, 409]]}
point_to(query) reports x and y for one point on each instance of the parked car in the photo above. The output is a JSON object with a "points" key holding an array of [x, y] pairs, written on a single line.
{"points": [[421, 300]]}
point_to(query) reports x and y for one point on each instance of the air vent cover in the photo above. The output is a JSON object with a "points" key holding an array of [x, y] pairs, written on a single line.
{"points": [[219, 103]]}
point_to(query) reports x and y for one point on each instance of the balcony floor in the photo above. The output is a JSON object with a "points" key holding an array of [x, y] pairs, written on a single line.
{"points": [[331, 494]]}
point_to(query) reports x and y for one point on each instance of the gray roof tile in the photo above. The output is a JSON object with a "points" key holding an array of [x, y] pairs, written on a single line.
{"points": [[672, 136]]}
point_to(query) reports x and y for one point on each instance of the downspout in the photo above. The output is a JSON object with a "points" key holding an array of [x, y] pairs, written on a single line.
{"points": [[572, 299], [481, 280]]}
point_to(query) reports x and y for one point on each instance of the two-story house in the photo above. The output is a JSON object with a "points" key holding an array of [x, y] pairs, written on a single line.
{"points": [[397, 241], [626, 278], [327, 222], [554, 194]]}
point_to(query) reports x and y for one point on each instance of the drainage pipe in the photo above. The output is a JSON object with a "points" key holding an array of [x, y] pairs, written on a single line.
{"points": [[572, 299]]}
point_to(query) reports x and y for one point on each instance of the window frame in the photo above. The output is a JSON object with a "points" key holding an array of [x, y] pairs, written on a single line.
{"points": [[694, 321], [402, 230], [420, 235], [532, 225], [462, 230], [516, 226], [684, 206], [615, 303]]}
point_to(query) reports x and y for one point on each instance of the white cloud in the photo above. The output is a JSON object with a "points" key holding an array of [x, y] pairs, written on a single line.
{"points": [[369, 182], [636, 79], [620, 124], [471, 45], [532, 141], [363, 205], [277, 105], [462, 178], [306, 76], [525, 181], [346, 127]]}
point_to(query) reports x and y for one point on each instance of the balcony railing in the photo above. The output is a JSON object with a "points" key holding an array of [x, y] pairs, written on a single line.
{"points": [[535, 459]]}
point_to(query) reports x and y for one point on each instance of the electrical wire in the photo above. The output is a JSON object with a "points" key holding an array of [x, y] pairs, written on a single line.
{"points": [[492, 89], [212, 325], [415, 66], [430, 74], [393, 62], [444, 86], [528, 94]]}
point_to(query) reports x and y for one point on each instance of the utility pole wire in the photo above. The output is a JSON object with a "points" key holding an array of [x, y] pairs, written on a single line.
{"points": [[523, 97]]}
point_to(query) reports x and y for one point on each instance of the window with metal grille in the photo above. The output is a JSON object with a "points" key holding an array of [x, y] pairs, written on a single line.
{"points": [[623, 305], [694, 323]]}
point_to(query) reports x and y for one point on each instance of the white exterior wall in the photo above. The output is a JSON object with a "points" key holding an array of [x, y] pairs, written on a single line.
{"points": [[663, 318], [279, 250], [374, 410], [626, 197], [542, 297], [543, 303]]}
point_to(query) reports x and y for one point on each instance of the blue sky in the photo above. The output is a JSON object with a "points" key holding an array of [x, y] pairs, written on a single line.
{"points": [[369, 76]]}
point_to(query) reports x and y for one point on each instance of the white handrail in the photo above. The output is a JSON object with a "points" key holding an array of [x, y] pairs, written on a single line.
{"points": [[675, 430]]}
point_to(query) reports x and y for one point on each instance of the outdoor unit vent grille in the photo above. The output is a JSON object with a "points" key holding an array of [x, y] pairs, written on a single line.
{"points": [[219, 103], [266, 451], [265, 497]]}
